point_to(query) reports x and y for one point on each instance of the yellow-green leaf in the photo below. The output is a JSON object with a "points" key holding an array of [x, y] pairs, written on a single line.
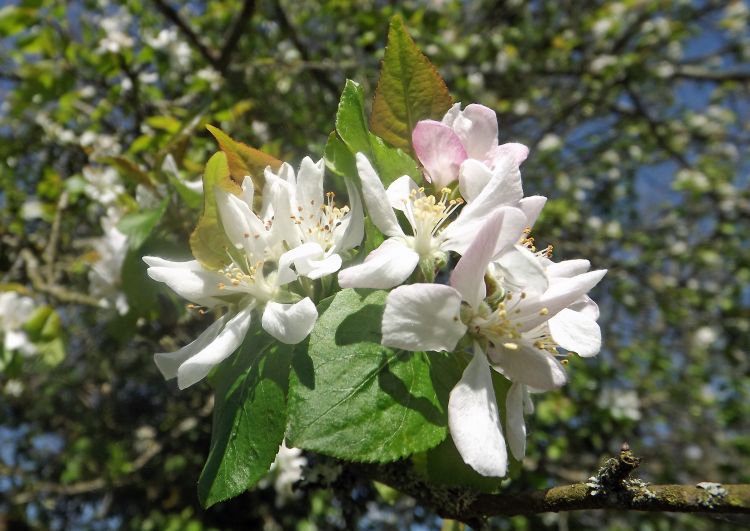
{"points": [[409, 89], [244, 160], [209, 241]]}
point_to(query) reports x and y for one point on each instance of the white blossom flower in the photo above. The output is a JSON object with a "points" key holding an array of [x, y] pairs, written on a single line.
{"points": [[285, 471], [515, 333], [432, 235], [260, 271], [105, 276], [102, 185], [15, 310]]}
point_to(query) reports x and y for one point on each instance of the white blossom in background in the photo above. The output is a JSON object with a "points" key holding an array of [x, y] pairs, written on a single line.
{"points": [[267, 259], [105, 275], [621, 403], [285, 471], [15, 310], [102, 185], [116, 38], [511, 329]]}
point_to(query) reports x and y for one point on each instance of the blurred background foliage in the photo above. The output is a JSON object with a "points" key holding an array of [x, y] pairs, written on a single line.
{"points": [[636, 113]]}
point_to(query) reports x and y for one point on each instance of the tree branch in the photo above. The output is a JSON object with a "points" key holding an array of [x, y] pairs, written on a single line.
{"points": [[610, 488], [174, 17], [222, 64]]}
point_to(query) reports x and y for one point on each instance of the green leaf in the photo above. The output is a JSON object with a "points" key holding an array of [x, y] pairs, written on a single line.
{"points": [[209, 242], [354, 399], [43, 325], [244, 160], [409, 89], [164, 123], [137, 226], [130, 170], [339, 159], [249, 418], [351, 126]]}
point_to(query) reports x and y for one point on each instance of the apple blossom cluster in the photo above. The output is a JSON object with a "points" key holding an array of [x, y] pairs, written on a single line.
{"points": [[457, 256]]}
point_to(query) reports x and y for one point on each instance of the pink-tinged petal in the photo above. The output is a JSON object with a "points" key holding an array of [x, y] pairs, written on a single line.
{"points": [[568, 268], [439, 150], [290, 323], [423, 317], [517, 152], [529, 365], [476, 126], [532, 206], [514, 422], [451, 115], [468, 275], [169, 362], [522, 271], [310, 184], [576, 332], [188, 279], [387, 266], [560, 295], [473, 176], [474, 420], [227, 341], [378, 205]]}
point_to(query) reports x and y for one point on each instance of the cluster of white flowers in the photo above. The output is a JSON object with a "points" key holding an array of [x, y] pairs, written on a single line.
{"points": [[505, 303]]}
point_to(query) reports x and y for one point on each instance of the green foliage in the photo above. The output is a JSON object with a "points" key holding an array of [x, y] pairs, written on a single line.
{"points": [[409, 89], [139, 225], [249, 418], [351, 126], [208, 241], [352, 398]]}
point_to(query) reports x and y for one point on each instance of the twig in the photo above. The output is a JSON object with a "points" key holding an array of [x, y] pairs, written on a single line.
{"points": [[222, 64], [610, 488], [50, 252], [174, 17], [60, 293]]}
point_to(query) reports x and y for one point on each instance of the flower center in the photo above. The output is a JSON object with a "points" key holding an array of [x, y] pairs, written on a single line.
{"points": [[250, 279], [427, 215], [318, 224]]}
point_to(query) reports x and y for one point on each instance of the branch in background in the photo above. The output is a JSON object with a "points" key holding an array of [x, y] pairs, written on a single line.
{"points": [[50, 252], [174, 17], [60, 293], [704, 74], [291, 32], [222, 64], [610, 488]]}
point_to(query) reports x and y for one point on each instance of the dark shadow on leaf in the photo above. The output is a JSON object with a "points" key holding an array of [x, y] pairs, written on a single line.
{"points": [[362, 326], [302, 364], [399, 391]]}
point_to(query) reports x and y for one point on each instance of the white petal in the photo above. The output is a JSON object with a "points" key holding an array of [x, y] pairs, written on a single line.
{"points": [[398, 192], [518, 152], [350, 232], [476, 126], [387, 266], [244, 229], [423, 317], [532, 206], [529, 365], [452, 114], [586, 306], [522, 270], [468, 275], [290, 323], [248, 191], [472, 178], [169, 362], [560, 295], [299, 257], [568, 268], [504, 188], [378, 205], [474, 420], [188, 279], [514, 423], [227, 341], [281, 196], [576, 332], [310, 183], [320, 268]]}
